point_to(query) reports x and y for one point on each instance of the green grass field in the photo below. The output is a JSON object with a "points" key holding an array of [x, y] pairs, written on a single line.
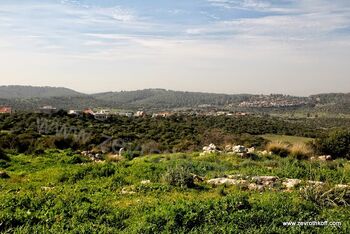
{"points": [[56, 193], [284, 138]]}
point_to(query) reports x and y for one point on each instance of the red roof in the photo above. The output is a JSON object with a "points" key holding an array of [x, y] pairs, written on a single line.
{"points": [[5, 110]]}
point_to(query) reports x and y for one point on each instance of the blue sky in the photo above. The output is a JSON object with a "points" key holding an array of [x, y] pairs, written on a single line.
{"points": [[232, 46]]}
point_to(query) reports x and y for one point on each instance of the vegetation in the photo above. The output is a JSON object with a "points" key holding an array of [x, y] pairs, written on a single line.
{"points": [[159, 183], [52, 193], [30, 98], [336, 143]]}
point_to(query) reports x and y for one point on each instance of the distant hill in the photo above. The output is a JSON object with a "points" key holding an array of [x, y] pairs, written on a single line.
{"points": [[161, 98], [29, 98], [20, 92]]}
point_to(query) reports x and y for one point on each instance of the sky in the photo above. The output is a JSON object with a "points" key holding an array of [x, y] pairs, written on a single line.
{"points": [[297, 47]]}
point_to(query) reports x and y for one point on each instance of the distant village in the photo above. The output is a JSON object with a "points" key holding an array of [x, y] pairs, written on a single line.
{"points": [[274, 101]]}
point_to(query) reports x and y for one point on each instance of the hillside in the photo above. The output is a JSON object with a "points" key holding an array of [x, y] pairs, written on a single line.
{"points": [[24, 92], [28, 98], [161, 98]]}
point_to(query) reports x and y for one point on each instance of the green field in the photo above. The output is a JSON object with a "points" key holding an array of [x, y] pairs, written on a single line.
{"points": [[284, 138], [61, 192]]}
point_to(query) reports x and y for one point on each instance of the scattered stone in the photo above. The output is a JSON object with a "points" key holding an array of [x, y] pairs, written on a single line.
{"points": [[4, 175], [251, 150], [342, 186], [265, 153], [315, 183], [96, 157], [239, 149], [257, 187], [227, 181], [265, 180], [291, 183], [197, 177], [145, 182], [210, 149], [47, 188], [325, 158], [126, 191]]}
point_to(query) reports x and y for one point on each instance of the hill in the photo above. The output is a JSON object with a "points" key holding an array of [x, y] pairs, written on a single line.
{"points": [[28, 98], [24, 92], [161, 98]]}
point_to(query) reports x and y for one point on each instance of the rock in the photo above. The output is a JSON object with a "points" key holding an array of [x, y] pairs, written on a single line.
{"points": [[251, 150], [239, 149], [265, 180], [315, 183], [125, 191], [145, 182], [212, 146], [228, 148], [257, 187], [265, 153], [47, 188], [197, 177], [227, 181], [291, 183], [325, 158], [342, 186], [4, 175]]}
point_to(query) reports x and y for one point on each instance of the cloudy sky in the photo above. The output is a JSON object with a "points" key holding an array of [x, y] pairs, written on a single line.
{"points": [[228, 46]]}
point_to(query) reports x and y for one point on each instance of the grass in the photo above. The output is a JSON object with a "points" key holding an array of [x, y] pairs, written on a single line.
{"points": [[288, 139], [83, 198]]}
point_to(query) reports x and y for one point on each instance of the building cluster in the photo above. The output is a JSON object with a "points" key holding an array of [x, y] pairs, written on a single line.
{"points": [[5, 110], [274, 101]]}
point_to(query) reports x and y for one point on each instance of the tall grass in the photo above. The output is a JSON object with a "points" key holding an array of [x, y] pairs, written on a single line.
{"points": [[301, 151], [278, 148]]}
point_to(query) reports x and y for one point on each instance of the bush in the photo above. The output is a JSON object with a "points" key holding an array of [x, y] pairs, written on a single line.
{"points": [[279, 148], [179, 176], [3, 155], [336, 143]]}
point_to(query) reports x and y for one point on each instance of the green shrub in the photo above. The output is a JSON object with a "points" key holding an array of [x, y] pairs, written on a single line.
{"points": [[3, 155], [180, 176], [336, 143]]}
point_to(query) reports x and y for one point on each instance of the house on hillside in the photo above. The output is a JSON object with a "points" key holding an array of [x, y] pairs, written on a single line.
{"points": [[102, 115], [5, 110]]}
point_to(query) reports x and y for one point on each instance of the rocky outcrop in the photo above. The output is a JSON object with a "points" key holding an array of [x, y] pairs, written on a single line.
{"points": [[210, 149], [262, 183], [227, 181]]}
